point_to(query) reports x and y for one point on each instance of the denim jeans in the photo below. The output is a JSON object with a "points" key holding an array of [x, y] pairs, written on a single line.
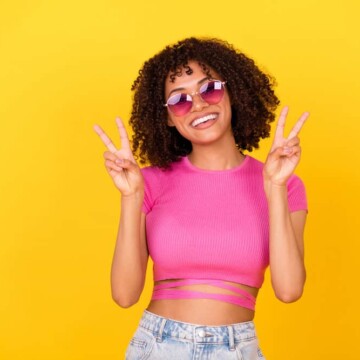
{"points": [[158, 338]]}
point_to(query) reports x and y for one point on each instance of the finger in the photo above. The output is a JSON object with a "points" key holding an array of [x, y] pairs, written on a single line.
{"points": [[297, 150], [290, 151], [295, 156], [292, 142], [125, 164], [115, 159], [108, 155], [279, 133], [282, 151], [299, 124], [277, 153], [110, 165], [113, 173], [125, 144], [105, 139]]}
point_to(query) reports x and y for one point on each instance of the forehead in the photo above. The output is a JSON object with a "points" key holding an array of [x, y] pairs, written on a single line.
{"points": [[188, 79]]}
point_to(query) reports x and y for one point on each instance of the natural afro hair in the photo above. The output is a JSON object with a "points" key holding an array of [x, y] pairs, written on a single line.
{"points": [[253, 101]]}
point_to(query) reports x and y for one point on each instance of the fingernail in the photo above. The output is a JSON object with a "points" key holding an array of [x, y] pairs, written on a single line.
{"points": [[119, 161], [287, 150]]}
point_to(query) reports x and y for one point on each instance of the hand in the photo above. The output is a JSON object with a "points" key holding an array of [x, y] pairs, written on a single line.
{"points": [[285, 153], [120, 163]]}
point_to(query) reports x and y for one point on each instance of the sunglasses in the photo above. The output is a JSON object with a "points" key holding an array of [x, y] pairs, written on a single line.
{"points": [[211, 92]]}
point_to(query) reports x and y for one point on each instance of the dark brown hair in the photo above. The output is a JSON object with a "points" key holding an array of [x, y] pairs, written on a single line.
{"points": [[253, 101]]}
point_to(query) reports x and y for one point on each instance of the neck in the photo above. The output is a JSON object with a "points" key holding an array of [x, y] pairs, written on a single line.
{"points": [[216, 156]]}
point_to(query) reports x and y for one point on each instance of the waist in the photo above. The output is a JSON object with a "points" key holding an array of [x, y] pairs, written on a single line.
{"points": [[162, 327], [201, 311], [219, 290]]}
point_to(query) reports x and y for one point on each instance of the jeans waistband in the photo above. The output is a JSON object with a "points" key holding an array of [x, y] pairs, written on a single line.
{"points": [[224, 334]]}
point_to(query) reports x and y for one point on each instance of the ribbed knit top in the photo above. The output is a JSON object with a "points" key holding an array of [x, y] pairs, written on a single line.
{"points": [[209, 224]]}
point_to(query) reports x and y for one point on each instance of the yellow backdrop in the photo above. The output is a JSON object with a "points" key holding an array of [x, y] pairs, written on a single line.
{"points": [[65, 65]]}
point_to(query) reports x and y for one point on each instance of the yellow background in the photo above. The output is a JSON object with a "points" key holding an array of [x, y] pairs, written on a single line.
{"points": [[66, 65]]}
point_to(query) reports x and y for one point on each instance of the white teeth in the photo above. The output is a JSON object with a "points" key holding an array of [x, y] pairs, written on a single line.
{"points": [[203, 119]]}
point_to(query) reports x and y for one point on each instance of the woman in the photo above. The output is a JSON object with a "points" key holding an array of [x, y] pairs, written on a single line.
{"points": [[211, 218]]}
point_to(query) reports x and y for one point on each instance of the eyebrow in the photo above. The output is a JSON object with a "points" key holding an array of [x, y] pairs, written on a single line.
{"points": [[182, 88]]}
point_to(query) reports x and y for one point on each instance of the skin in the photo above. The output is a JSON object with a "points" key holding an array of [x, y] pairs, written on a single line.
{"points": [[213, 149]]}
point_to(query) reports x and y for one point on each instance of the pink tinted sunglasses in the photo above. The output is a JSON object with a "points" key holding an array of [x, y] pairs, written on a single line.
{"points": [[211, 92]]}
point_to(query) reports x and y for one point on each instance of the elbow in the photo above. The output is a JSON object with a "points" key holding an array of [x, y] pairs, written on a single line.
{"points": [[124, 295], [289, 296], [124, 301], [291, 290]]}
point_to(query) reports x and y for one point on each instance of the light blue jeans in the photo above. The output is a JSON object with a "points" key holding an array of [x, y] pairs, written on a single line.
{"points": [[158, 338]]}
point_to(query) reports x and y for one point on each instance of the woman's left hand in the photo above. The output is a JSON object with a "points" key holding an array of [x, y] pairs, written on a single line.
{"points": [[285, 153]]}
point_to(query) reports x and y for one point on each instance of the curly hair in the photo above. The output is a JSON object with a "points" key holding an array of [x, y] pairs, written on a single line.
{"points": [[253, 101]]}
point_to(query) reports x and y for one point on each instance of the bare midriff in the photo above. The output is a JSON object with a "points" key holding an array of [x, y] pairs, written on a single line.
{"points": [[204, 311]]}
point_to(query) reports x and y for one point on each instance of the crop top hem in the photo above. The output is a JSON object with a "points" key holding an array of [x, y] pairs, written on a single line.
{"points": [[209, 277], [169, 290]]}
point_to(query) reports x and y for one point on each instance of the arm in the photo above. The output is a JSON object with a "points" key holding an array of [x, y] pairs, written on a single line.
{"points": [[287, 267], [130, 256], [286, 231]]}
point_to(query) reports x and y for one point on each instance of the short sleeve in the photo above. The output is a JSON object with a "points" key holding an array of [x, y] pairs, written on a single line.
{"points": [[147, 203], [296, 194], [150, 180]]}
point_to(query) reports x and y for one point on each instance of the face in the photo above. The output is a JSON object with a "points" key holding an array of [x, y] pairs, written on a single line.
{"points": [[204, 123]]}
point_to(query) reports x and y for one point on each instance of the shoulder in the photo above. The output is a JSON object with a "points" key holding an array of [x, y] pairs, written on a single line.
{"points": [[295, 184], [152, 176], [254, 167], [156, 178], [255, 163], [151, 171], [152, 186], [157, 172]]}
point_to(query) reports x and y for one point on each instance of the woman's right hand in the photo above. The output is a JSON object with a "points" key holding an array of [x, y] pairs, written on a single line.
{"points": [[120, 163]]}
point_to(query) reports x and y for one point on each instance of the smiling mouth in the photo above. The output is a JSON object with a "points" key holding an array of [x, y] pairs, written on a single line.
{"points": [[203, 120]]}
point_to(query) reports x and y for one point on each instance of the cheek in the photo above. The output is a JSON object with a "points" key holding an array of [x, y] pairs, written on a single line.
{"points": [[174, 121], [180, 128]]}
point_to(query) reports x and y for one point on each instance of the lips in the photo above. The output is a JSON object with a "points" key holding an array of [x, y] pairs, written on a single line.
{"points": [[203, 119]]}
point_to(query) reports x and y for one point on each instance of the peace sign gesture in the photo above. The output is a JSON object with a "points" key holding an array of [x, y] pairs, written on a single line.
{"points": [[285, 153], [120, 163]]}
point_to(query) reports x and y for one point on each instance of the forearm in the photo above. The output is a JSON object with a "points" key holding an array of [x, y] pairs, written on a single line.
{"points": [[130, 255], [286, 253]]}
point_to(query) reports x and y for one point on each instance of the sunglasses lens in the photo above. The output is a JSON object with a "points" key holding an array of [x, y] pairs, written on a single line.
{"points": [[180, 104], [212, 92]]}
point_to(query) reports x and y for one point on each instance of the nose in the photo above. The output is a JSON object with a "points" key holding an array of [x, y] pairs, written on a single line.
{"points": [[198, 102]]}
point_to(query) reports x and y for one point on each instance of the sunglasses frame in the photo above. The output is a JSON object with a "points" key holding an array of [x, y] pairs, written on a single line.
{"points": [[196, 93]]}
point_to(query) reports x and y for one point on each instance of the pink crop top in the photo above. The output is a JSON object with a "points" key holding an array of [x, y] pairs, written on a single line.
{"points": [[210, 227]]}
